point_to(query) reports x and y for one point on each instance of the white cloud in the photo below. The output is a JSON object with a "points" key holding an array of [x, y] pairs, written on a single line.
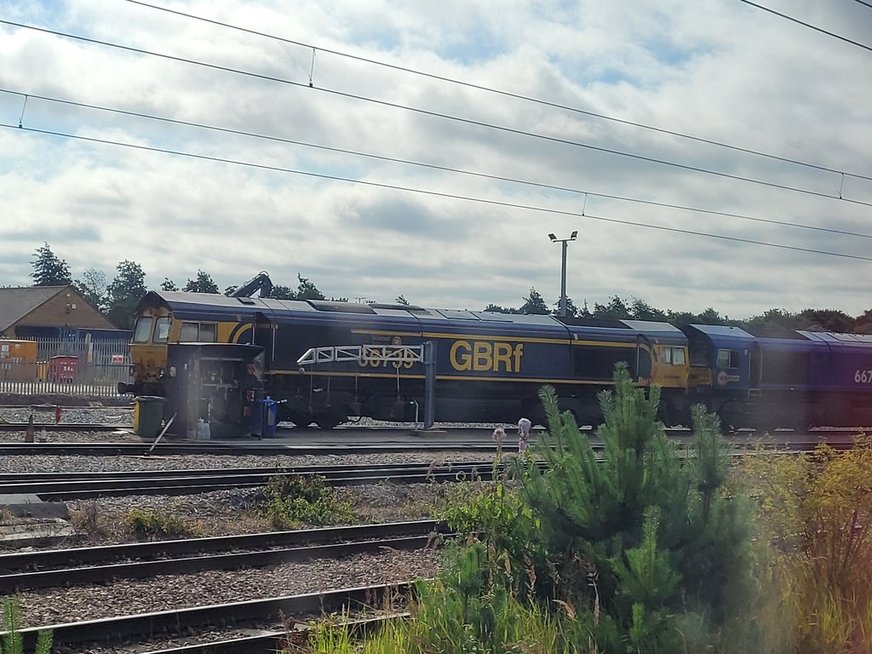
{"points": [[721, 71]]}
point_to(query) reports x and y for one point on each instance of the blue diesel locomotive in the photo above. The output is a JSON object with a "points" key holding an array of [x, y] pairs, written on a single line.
{"points": [[489, 366]]}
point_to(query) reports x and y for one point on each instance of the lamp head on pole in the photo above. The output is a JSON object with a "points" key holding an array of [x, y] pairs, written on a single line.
{"points": [[552, 237], [573, 236]]}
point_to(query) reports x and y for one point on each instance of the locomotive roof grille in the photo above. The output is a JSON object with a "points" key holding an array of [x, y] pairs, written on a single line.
{"points": [[342, 307]]}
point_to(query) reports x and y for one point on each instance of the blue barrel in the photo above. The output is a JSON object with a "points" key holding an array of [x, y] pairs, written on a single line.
{"points": [[263, 423]]}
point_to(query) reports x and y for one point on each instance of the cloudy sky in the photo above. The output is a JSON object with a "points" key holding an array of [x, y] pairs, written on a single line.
{"points": [[429, 148]]}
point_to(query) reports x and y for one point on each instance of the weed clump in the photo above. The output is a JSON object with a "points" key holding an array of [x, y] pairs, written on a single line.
{"points": [[148, 524], [291, 500], [11, 642]]}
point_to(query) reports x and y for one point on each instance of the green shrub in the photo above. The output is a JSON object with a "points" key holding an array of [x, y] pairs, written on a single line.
{"points": [[145, 523], [291, 500], [815, 513], [11, 641]]}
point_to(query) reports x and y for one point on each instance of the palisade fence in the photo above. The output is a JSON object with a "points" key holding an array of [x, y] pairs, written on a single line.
{"points": [[68, 367]]}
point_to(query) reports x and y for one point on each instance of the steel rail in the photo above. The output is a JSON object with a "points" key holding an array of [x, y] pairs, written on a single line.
{"points": [[185, 565], [334, 469], [63, 426], [270, 449], [48, 559], [139, 483], [147, 625], [269, 642]]}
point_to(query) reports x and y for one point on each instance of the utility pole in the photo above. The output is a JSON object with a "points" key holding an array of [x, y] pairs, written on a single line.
{"points": [[564, 242]]}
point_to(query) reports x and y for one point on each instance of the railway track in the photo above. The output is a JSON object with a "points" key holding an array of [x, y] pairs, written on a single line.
{"points": [[71, 637], [67, 486], [369, 444], [89, 565]]}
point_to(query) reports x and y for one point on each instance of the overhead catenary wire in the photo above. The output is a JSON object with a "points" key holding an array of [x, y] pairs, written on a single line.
{"points": [[410, 189], [808, 25], [501, 92], [461, 171], [441, 115]]}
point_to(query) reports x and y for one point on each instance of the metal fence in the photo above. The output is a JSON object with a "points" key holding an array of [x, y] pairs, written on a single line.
{"points": [[68, 367]]}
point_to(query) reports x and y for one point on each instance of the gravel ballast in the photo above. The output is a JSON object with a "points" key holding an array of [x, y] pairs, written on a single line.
{"points": [[168, 592]]}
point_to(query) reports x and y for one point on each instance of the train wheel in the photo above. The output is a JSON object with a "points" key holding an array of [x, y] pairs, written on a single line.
{"points": [[300, 420], [330, 418]]}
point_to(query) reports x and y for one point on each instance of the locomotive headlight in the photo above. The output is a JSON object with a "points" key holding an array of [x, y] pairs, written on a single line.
{"points": [[132, 370], [161, 373], [172, 372]]}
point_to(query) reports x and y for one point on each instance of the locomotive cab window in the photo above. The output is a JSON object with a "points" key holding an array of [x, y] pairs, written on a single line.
{"points": [[728, 359], [142, 333], [161, 330], [194, 332], [189, 333], [207, 332], [671, 355]]}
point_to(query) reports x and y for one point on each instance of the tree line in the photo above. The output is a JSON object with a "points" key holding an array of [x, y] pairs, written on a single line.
{"points": [[118, 298]]}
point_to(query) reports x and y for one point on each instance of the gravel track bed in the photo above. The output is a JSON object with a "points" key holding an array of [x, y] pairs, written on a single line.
{"points": [[103, 521], [167, 592], [61, 463], [121, 415]]}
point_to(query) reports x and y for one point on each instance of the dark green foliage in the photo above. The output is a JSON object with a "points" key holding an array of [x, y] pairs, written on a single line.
{"points": [[203, 283], [306, 290], [125, 292], [571, 309], [147, 524], [534, 304], [93, 288], [169, 285], [646, 536], [289, 500], [280, 292], [495, 308], [49, 269]]}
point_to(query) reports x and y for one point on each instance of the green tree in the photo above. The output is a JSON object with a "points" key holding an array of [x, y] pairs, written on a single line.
{"points": [[125, 292], [168, 285], [641, 310], [93, 287], [495, 308], [280, 292], [615, 309], [829, 320], [534, 304], [306, 290], [643, 532], [712, 317], [201, 284], [49, 269], [571, 309]]}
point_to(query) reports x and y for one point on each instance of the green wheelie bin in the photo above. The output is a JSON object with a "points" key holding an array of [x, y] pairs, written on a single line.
{"points": [[148, 413]]}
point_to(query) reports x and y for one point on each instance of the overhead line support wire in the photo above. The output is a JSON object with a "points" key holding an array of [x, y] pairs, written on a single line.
{"points": [[435, 114], [472, 173], [504, 93], [409, 189], [808, 25]]}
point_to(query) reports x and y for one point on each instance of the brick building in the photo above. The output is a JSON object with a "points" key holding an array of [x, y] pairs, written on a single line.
{"points": [[48, 312]]}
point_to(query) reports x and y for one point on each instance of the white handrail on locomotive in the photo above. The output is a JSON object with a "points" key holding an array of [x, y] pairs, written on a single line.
{"points": [[396, 354], [374, 353]]}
